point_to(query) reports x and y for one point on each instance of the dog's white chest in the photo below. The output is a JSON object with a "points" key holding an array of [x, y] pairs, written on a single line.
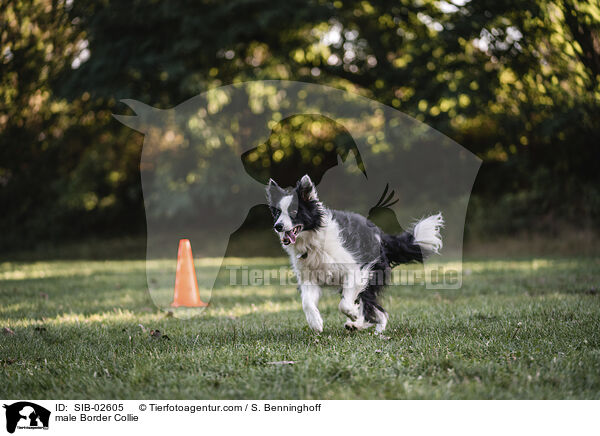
{"points": [[320, 257]]}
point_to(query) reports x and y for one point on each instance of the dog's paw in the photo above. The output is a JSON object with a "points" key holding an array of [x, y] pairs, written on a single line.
{"points": [[380, 328], [350, 325], [359, 324], [315, 322], [349, 309]]}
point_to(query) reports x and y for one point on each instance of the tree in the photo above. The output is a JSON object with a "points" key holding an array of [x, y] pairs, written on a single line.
{"points": [[515, 82]]}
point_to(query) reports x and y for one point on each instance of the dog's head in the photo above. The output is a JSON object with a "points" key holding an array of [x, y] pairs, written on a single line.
{"points": [[295, 210]]}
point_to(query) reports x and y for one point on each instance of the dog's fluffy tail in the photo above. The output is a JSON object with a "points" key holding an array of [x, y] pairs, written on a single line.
{"points": [[415, 245]]}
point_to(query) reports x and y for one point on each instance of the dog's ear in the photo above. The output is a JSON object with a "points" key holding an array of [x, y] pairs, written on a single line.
{"points": [[306, 189], [272, 189]]}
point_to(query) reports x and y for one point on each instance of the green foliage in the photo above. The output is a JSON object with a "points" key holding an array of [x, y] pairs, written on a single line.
{"points": [[515, 82], [64, 170]]}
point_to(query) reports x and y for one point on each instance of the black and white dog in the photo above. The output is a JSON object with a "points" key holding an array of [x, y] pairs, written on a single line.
{"points": [[344, 249]]}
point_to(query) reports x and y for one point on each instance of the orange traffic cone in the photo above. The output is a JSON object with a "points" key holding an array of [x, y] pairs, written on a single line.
{"points": [[186, 285]]}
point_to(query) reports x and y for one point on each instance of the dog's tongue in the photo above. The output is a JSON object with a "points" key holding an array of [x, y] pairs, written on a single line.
{"points": [[292, 236]]}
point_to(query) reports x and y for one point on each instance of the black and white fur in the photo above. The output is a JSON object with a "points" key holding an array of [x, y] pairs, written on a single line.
{"points": [[344, 249]]}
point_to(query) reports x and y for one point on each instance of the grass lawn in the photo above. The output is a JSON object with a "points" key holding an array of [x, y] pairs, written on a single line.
{"points": [[517, 329]]}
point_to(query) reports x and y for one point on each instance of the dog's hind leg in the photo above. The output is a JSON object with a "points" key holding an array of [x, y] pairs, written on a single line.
{"points": [[371, 310], [310, 294], [382, 320], [360, 323]]}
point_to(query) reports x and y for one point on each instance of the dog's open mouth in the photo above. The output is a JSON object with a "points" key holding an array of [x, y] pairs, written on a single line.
{"points": [[289, 237]]}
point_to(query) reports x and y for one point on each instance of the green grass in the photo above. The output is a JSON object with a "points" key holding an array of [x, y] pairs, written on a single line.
{"points": [[516, 329]]}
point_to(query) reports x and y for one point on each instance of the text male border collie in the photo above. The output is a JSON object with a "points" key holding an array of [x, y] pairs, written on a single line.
{"points": [[344, 249]]}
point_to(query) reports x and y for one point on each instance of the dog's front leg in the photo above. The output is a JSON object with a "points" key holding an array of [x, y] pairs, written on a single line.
{"points": [[310, 294], [353, 285]]}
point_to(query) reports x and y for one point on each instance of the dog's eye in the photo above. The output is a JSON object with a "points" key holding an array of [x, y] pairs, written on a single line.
{"points": [[275, 212], [294, 212]]}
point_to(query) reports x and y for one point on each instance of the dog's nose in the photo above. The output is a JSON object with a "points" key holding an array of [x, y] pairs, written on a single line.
{"points": [[278, 227]]}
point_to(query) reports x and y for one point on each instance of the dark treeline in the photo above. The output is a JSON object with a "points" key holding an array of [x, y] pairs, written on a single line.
{"points": [[517, 83]]}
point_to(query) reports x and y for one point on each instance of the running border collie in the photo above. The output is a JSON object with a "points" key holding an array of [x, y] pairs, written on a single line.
{"points": [[344, 249]]}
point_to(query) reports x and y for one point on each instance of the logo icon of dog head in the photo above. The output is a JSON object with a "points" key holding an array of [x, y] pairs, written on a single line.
{"points": [[24, 414]]}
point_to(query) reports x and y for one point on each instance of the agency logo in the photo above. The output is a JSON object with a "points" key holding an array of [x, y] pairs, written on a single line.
{"points": [[26, 415]]}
